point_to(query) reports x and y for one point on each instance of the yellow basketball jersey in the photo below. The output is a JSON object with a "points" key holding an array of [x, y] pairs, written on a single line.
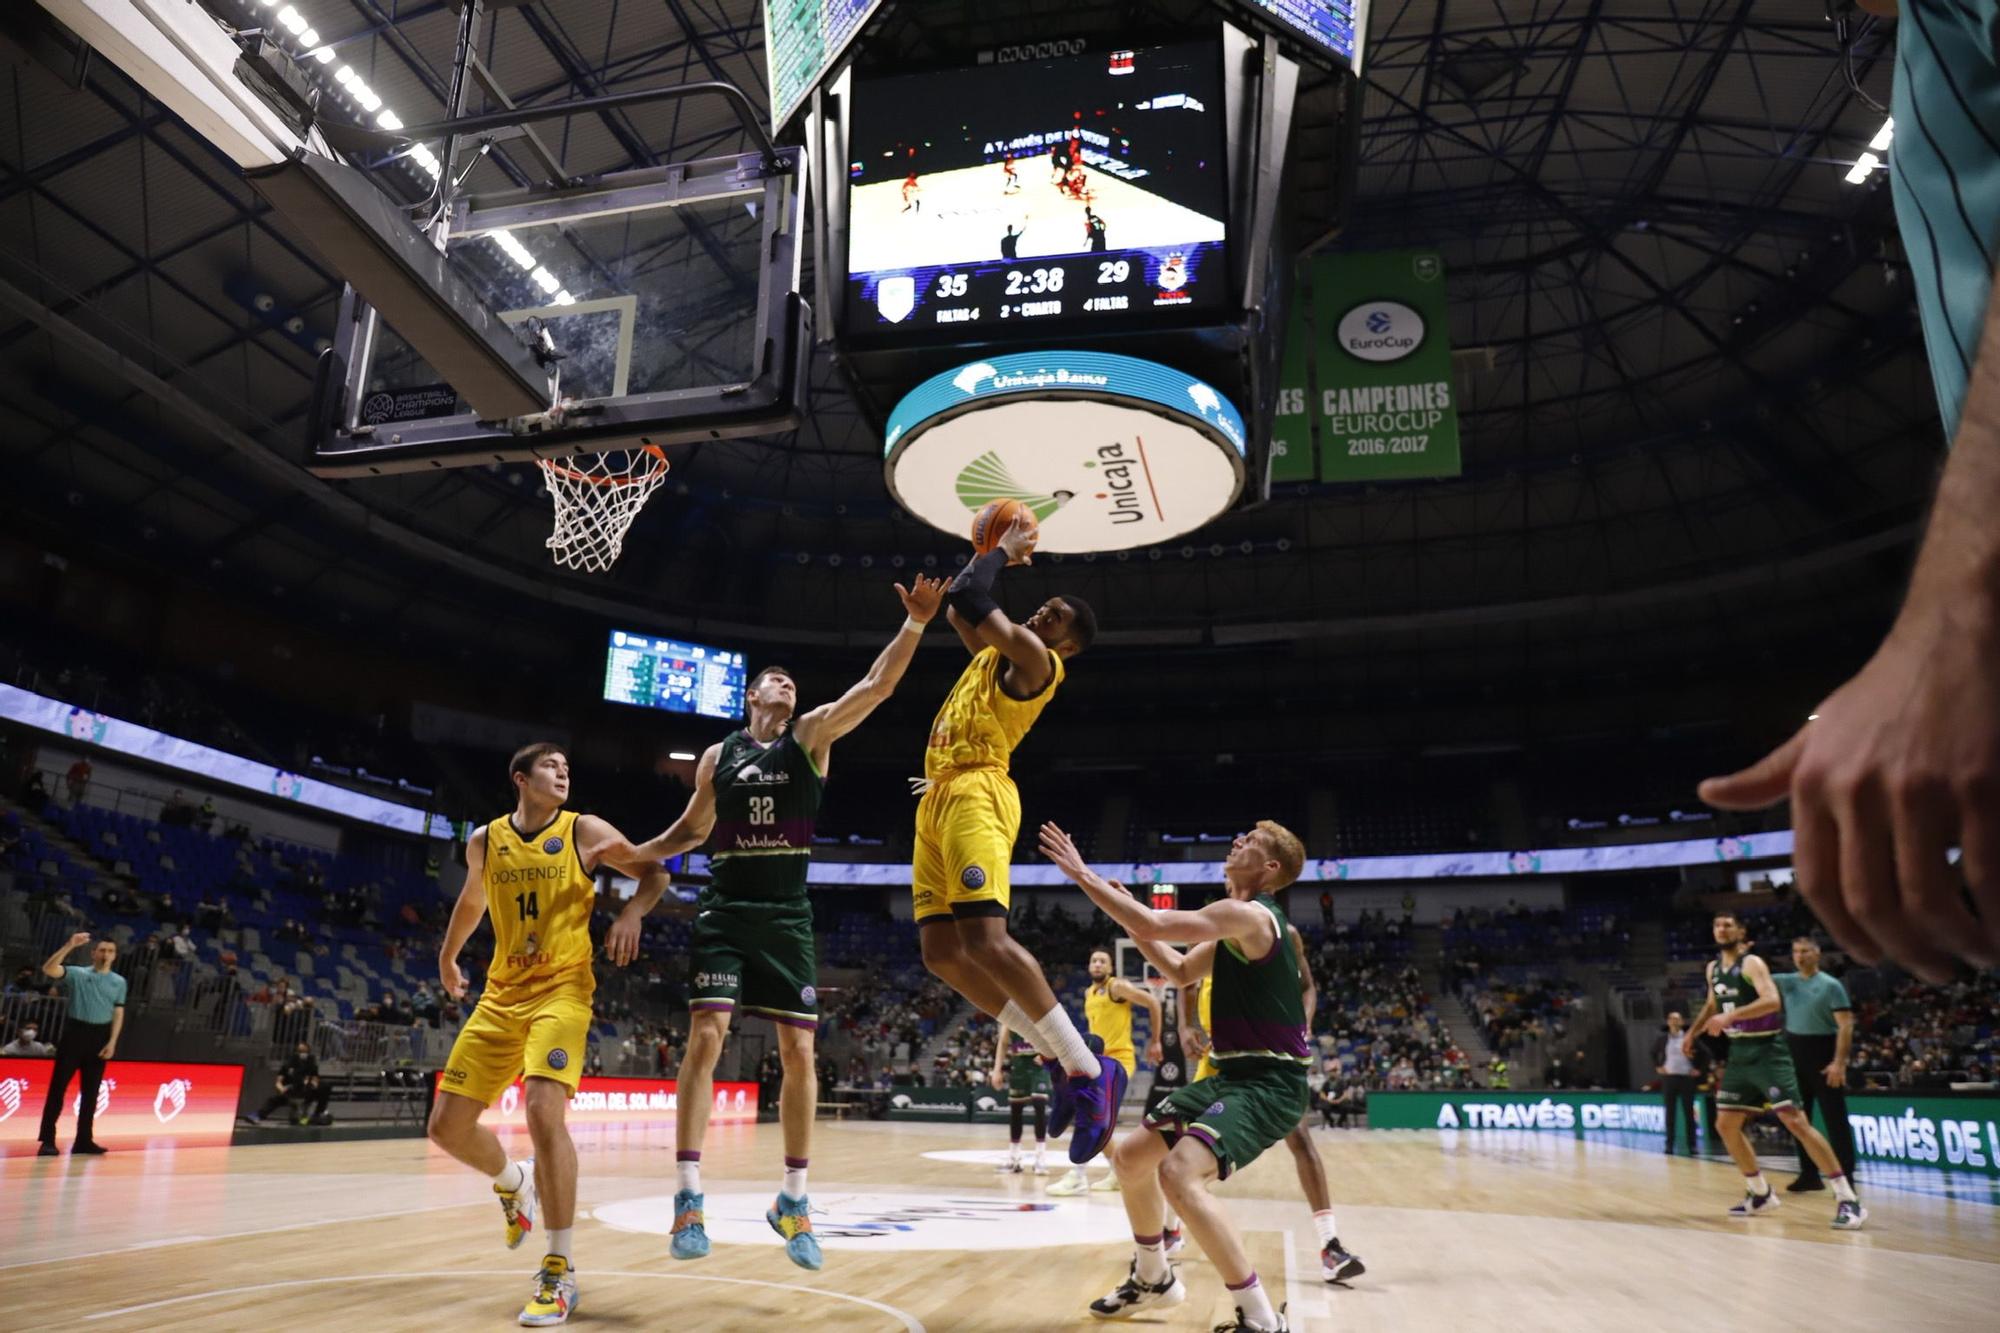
{"points": [[980, 723], [1109, 1020], [1201, 1001], [539, 899]]}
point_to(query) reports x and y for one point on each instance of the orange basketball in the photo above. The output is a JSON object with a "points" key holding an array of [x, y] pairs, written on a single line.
{"points": [[994, 518]]}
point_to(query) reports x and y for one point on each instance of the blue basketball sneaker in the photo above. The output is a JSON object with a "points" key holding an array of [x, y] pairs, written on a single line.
{"points": [[1062, 1098], [788, 1217], [1096, 1109], [690, 1232], [1062, 1107]]}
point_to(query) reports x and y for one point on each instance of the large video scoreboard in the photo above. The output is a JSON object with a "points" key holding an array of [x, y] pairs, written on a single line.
{"points": [[802, 40], [1084, 188]]}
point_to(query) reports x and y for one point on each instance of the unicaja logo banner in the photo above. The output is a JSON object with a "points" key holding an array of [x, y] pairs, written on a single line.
{"points": [[1109, 452]]}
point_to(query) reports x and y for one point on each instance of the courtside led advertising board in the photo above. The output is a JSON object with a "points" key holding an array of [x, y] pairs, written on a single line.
{"points": [[1109, 452], [1086, 190], [629, 1101], [140, 1104]]}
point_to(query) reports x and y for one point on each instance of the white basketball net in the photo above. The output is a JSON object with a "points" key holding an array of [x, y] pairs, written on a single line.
{"points": [[597, 496]]}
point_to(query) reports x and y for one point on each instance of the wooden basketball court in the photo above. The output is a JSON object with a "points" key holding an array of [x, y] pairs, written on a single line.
{"points": [[1508, 1230]]}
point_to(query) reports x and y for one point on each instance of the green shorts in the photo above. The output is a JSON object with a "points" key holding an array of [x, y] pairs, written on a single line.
{"points": [[1758, 1076], [1236, 1114], [1026, 1079], [758, 955]]}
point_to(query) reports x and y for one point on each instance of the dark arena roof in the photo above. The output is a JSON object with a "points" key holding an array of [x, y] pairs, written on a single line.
{"points": [[1698, 425]]}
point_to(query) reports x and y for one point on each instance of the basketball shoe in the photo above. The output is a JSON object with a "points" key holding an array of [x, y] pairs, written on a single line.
{"points": [[1108, 1185], [1849, 1216], [518, 1206], [1076, 1182], [1756, 1205], [1337, 1265], [555, 1294], [1132, 1295], [690, 1231], [790, 1219], [1062, 1106], [1241, 1324], [1096, 1109]]}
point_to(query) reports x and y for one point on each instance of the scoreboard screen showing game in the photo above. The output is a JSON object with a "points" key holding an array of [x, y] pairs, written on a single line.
{"points": [[1086, 189], [677, 677], [1336, 27]]}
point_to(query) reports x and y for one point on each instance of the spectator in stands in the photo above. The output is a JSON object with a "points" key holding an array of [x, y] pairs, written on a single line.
{"points": [[206, 819], [1326, 908], [25, 1044], [424, 1004], [35, 793], [78, 780], [177, 812], [27, 982], [298, 1084], [181, 944]]}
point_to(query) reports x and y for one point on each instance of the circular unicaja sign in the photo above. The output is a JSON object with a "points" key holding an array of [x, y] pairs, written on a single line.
{"points": [[1381, 331], [1109, 452]]}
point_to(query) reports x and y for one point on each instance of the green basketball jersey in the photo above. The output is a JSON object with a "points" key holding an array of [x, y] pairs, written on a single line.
{"points": [[1733, 991], [1257, 1017], [766, 803]]}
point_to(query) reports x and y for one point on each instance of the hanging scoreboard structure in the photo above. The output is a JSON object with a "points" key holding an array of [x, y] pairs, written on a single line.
{"points": [[803, 39], [1015, 213]]}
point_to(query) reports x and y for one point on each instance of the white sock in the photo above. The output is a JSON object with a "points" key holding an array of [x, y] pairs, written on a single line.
{"points": [[511, 1178], [1757, 1184], [1323, 1226], [1256, 1306], [559, 1243], [1067, 1042], [1151, 1260], [794, 1186], [690, 1173], [1842, 1190], [1017, 1020]]}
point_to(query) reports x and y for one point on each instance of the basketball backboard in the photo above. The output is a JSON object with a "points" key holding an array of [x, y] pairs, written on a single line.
{"points": [[664, 303]]}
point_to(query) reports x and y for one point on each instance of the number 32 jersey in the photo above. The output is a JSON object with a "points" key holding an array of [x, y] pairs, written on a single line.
{"points": [[539, 898], [766, 804]]}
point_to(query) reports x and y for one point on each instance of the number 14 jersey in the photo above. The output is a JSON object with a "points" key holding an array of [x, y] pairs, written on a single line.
{"points": [[767, 801], [539, 897]]}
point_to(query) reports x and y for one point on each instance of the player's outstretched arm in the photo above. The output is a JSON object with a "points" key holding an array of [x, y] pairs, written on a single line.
{"points": [[692, 828], [820, 728], [971, 596], [1249, 926], [600, 843], [466, 914]]}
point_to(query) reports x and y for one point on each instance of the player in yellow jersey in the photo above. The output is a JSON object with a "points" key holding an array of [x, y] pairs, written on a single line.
{"points": [[1107, 1012], [535, 869], [1336, 1264], [970, 815]]}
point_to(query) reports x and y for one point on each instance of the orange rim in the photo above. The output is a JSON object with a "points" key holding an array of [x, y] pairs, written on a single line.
{"points": [[555, 465]]}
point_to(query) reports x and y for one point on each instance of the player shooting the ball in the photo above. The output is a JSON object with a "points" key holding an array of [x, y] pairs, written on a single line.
{"points": [[971, 813]]}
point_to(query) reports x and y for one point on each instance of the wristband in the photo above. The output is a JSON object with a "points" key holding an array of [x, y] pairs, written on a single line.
{"points": [[912, 623]]}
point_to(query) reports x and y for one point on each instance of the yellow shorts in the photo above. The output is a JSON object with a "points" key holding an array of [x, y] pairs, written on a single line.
{"points": [[543, 1035], [1127, 1056], [966, 826]]}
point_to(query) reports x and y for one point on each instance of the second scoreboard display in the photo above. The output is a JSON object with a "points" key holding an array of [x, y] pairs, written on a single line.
{"points": [[1087, 188]]}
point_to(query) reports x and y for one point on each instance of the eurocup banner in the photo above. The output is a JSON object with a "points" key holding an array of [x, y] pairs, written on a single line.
{"points": [[1944, 1133], [1367, 369], [140, 1104]]}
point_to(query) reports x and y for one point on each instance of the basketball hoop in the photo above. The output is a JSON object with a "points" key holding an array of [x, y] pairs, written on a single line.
{"points": [[596, 497]]}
